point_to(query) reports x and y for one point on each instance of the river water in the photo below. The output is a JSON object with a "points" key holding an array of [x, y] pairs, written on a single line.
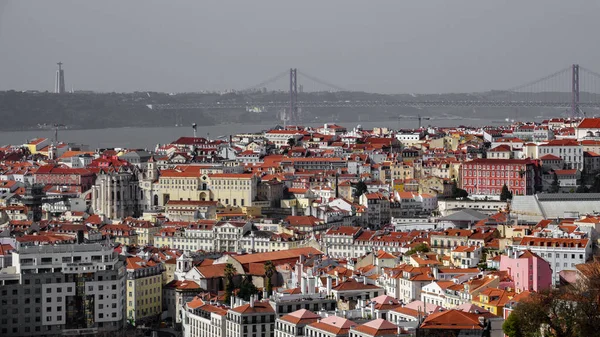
{"points": [[148, 137]]}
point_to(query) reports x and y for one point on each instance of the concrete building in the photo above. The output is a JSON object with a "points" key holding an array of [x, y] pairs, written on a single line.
{"points": [[554, 205], [561, 253], [570, 151], [59, 80], [58, 285]]}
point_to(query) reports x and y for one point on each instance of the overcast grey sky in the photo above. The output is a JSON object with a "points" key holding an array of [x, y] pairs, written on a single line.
{"points": [[378, 46]]}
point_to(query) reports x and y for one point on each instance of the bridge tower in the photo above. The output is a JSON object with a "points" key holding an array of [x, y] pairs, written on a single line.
{"points": [[575, 91], [294, 96]]}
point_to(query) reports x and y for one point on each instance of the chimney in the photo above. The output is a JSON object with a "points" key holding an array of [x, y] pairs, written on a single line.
{"points": [[364, 280], [303, 285], [232, 301], [298, 272], [310, 284], [252, 301], [372, 309], [328, 285]]}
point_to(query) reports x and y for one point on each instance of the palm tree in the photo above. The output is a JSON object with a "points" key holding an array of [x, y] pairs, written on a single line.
{"points": [[229, 272], [269, 272], [291, 142]]}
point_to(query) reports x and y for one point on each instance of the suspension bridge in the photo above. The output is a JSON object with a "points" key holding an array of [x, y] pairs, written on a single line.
{"points": [[574, 89]]}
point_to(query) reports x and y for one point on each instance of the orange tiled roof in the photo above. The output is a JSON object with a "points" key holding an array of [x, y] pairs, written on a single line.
{"points": [[452, 319], [301, 317]]}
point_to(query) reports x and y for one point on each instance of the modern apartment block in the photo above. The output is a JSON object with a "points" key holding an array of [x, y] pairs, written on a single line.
{"points": [[58, 285]]}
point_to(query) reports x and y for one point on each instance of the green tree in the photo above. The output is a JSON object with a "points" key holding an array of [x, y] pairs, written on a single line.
{"points": [[247, 289], [269, 272], [420, 248], [291, 142], [458, 192], [360, 189], [595, 188], [512, 326], [555, 186], [567, 311], [582, 189], [229, 272], [505, 194]]}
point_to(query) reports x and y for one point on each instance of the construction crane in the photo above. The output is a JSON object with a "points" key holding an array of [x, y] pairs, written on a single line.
{"points": [[419, 118], [56, 127]]}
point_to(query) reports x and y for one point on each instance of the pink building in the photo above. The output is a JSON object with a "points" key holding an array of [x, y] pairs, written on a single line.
{"points": [[529, 271]]}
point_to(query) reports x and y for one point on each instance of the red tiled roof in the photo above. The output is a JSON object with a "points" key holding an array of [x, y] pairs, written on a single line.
{"points": [[561, 142], [212, 271], [589, 123], [259, 307], [550, 157], [452, 319], [301, 317], [378, 327], [553, 242], [274, 256], [334, 324], [351, 284]]}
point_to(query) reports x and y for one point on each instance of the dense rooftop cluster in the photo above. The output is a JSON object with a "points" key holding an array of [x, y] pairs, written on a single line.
{"points": [[297, 231]]}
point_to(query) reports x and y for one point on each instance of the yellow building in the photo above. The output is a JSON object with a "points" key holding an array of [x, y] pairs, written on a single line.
{"points": [[233, 189], [169, 267], [436, 186], [144, 290], [145, 230], [36, 144], [493, 300], [182, 184], [449, 143], [400, 170], [398, 185], [166, 237]]}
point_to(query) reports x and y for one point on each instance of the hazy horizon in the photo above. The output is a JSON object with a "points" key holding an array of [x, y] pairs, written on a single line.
{"points": [[386, 46]]}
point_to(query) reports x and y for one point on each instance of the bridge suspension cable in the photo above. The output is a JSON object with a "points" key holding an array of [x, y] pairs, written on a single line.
{"points": [[540, 80], [325, 83], [268, 81]]}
